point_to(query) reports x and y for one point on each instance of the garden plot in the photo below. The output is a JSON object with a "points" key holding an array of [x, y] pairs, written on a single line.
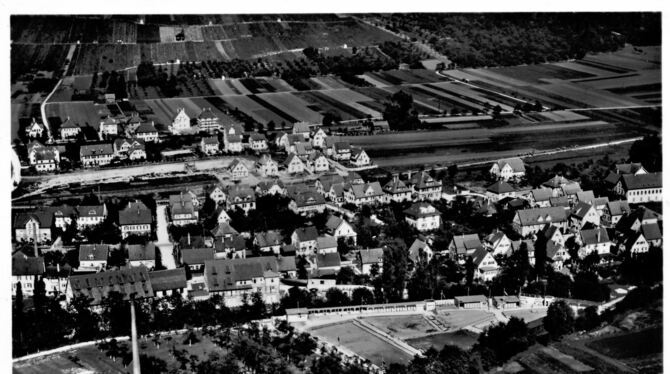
{"points": [[582, 68], [352, 99], [562, 116], [240, 87], [257, 111], [613, 59], [466, 93], [458, 319], [642, 78], [374, 80], [223, 87], [574, 95], [293, 106], [535, 73], [328, 83]]}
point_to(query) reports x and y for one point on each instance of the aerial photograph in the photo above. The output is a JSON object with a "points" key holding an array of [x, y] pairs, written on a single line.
{"points": [[333, 193]]}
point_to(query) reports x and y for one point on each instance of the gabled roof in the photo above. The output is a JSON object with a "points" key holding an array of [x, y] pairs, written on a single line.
{"points": [[196, 255], [43, 216], [46, 154], [207, 114], [594, 236], [500, 187], [357, 152], [234, 138], [69, 124], [541, 194], [63, 210], [371, 256], [581, 209], [326, 260], [257, 137], [541, 216], [630, 168], [323, 242], [424, 180], [294, 138], [618, 208], [300, 127], [128, 281], [586, 196], [342, 146], [530, 246], [292, 158], [612, 178], [164, 280], [23, 265], [515, 163], [329, 179], [308, 198], [421, 209], [224, 274], [191, 241], [316, 155], [642, 181], [651, 231], [235, 163], [571, 188], [266, 159], [91, 210], [556, 182], [241, 192], [142, 252], [286, 263], [415, 250], [210, 140], [223, 229], [334, 222], [553, 249], [93, 252], [303, 148], [305, 234], [268, 238], [95, 150], [478, 256], [361, 190], [494, 237], [146, 127], [395, 186], [560, 201], [466, 243], [135, 213]]}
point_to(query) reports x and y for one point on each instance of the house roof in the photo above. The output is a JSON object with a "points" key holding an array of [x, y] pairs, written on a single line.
{"points": [[478, 255], [207, 114], [327, 260], [191, 241], [42, 216], [142, 252], [618, 208], [581, 209], [586, 196], [223, 274], [540, 216], [515, 163], [46, 154], [93, 252], [395, 185], [292, 158], [357, 152], [286, 263], [63, 210], [210, 140], [471, 299], [95, 150], [240, 194], [305, 234], [164, 280], [612, 178], [530, 245], [552, 249], [421, 209], [146, 127], [235, 163], [223, 229], [265, 159], [361, 190], [303, 148], [594, 236], [333, 223], [91, 210], [234, 138], [323, 242], [316, 155], [342, 146], [571, 188], [257, 137], [417, 247], [371, 256], [69, 124], [300, 127], [494, 237], [541, 194], [266, 185], [128, 281], [466, 243], [500, 187], [268, 238], [196, 255], [560, 201], [556, 182], [642, 181], [308, 198], [24, 265], [651, 231], [329, 179], [424, 180], [182, 207], [135, 213], [630, 168]]}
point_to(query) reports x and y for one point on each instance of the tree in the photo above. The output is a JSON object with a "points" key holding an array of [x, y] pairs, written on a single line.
{"points": [[345, 275], [335, 297], [500, 342], [374, 270], [39, 295], [394, 273], [590, 320], [587, 287], [469, 270], [362, 296], [17, 318], [301, 267], [560, 319], [540, 254], [648, 151], [258, 309]]}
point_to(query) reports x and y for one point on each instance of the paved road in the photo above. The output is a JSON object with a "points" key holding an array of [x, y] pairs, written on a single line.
{"points": [[163, 243]]}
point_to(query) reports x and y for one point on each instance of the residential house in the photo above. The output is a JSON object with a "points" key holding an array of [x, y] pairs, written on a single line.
{"points": [[142, 255], [63, 215], [359, 157], [33, 225], [509, 168], [294, 164], [269, 241], [327, 264], [630, 168], [301, 128], [425, 187], [232, 247], [232, 142], [423, 217], [560, 201], [318, 162], [110, 126], [292, 140], [594, 240], [420, 250], [530, 221], [96, 154], [232, 278], [638, 217], [223, 230], [636, 244], [528, 245], [147, 132], [209, 145], [304, 150], [286, 266], [614, 211], [354, 178], [258, 142], [45, 159], [500, 190], [486, 267], [69, 129], [26, 270], [217, 194], [307, 202], [35, 129], [133, 149], [397, 190], [324, 182], [556, 255], [652, 232], [91, 215], [195, 258], [131, 282], [556, 183], [319, 139], [170, 282], [273, 187], [584, 213], [340, 228], [241, 196], [181, 122], [571, 190], [367, 258], [367, 193], [267, 167], [304, 239], [135, 219], [208, 121], [182, 210], [641, 188], [497, 243], [539, 197], [341, 151], [238, 170], [464, 245], [326, 244]]}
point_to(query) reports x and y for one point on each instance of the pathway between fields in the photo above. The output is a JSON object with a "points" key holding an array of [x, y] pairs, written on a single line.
{"points": [[164, 245]]}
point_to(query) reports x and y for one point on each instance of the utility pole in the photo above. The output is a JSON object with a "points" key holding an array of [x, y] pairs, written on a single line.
{"points": [[133, 338]]}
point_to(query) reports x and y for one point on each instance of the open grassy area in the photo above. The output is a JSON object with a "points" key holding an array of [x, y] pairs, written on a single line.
{"points": [[362, 343], [463, 339], [457, 319], [402, 327]]}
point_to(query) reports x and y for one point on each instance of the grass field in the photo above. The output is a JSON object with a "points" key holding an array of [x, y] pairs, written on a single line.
{"points": [[402, 327], [362, 343], [82, 113], [458, 319], [22, 115], [463, 339]]}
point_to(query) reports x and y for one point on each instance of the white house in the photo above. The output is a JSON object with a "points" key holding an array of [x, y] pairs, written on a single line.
{"points": [[318, 162], [307, 202], [181, 122], [367, 193], [208, 121], [209, 145], [304, 240], [319, 138], [135, 219], [486, 267], [641, 188], [96, 155], [637, 244], [33, 225], [45, 159], [217, 194], [93, 257], [420, 250], [340, 228], [69, 129], [267, 167], [497, 243], [425, 187], [301, 128], [142, 255], [509, 168], [397, 190], [326, 244], [24, 271], [147, 132], [594, 240], [238, 170], [583, 213], [258, 142], [35, 129], [109, 127], [359, 157], [500, 190], [366, 258], [294, 164], [423, 217], [241, 196], [91, 215], [530, 221]]}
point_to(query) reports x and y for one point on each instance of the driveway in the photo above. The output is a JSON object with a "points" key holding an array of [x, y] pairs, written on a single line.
{"points": [[164, 245]]}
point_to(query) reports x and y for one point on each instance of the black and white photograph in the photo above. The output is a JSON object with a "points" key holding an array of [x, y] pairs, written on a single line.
{"points": [[323, 192]]}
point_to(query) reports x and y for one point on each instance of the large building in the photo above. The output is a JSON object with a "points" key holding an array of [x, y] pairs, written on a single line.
{"points": [[135, 219], [641, 188], [232, 278], [423, 217], [508, 168], [530, 221]]}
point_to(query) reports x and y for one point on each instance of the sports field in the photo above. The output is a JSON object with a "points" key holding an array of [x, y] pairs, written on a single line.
{"points": [[456, 319], [402, 327]]}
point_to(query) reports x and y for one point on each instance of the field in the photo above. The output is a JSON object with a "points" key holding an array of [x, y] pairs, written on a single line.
{"points": [[362, 343], [164, 110], [257, 111], [91, 359], [82, 113], [292, 105], [630, 345], [461, 338], [402, 327], [22, 115]]}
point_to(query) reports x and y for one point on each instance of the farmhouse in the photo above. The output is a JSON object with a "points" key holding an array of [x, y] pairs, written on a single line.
{"points": [[26, 270], [509, 168], [367, 258], [181, 122], [423, 216], [425, 187], [209, 145], [397, 190], [135, 219], [258, 142], [69, 129], [241, 196], [96, 155], [91, 215], [35, 129], [530, 221], [367, 193], [340, 228], [266, 166], [208, 121], [238, 170], [294, 164], [147, 132], [33, 226], [641, 188]]}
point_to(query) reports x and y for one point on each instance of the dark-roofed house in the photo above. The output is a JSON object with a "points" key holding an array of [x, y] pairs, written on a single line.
{"points": [[301, 128], [147, 132], [304, 239], [69, 129], [258, 142], [571, 190], [93, 257], [420, 250], [33, 225], [530, 221], [397, 190], [328, 263], [63, 215], [498, 243], [273, 187], [129, 282], [92, 155], [560, 201], [341, 151], [269, 241], [209, 145], [340, 228], [508, 168], [594, 240], [142, 255], [652, 232], [583, 213], [359, 157], [366, 258], [425, 187], [135, 219], [286, 266], [168, 282], [233, 247], [294, 164], [539, 197], [500, 190], [486, 267], [318, 162], [238, 170], [636, 244], [326, 244], [325, 181], [233, 278], [195, 258], [241, 196], [614, 211], [45, 159], [367, 193], [307, 202], [423, 217], [630, 168], [182, 210], [463, 245], [266, 166], [641, 188], [471, 302], [24, 270]]}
